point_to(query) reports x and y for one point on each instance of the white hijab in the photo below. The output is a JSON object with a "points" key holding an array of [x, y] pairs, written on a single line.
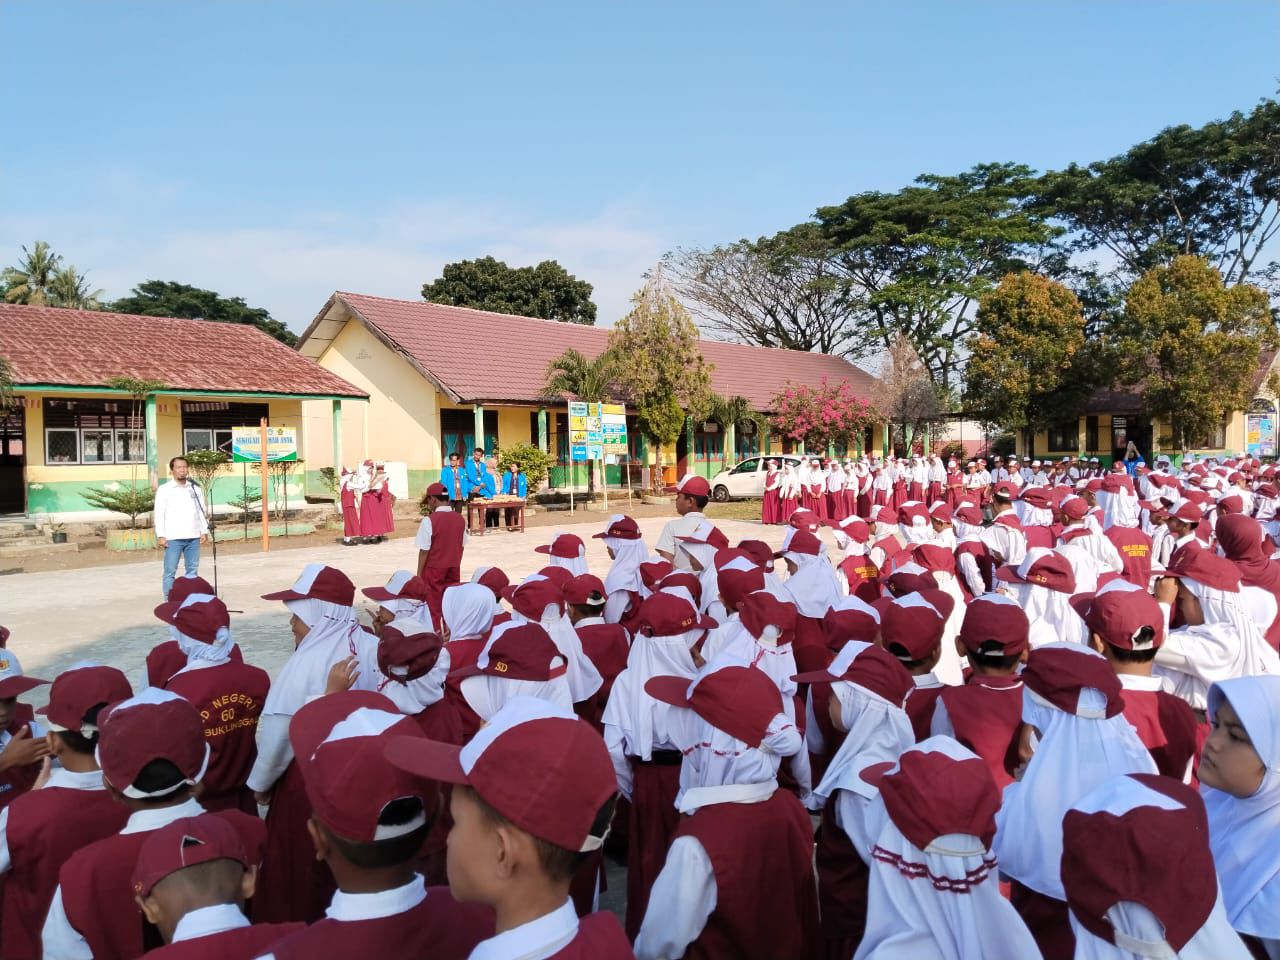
{"points": [[624, 574], [814, 587], [645, 723], [333, 635], [411, 697], [1244, 834], [1050, 612], [467, 610], [486, 694], [1215, 940], [406, 608], [1076, 752], [197, 652], [584, 678], [942, 902]]}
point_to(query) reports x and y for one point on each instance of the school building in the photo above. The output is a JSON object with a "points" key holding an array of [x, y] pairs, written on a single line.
{"points": [[69, 432], [1113, 418], [444, 379]]}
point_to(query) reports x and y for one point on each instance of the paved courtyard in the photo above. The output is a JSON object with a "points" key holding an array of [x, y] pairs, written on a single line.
{"points": [[105, 614]]}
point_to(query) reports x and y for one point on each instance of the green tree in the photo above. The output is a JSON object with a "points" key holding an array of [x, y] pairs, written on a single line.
{"points": [[734, 413], [534, 464], [1027, 334], [781, 291], [163, 298], [918, 260], [1193, 344], [6, 384], [31, 280], [1212, 191], [70, 289], [548, 290], [573, 375], [660, 370]]}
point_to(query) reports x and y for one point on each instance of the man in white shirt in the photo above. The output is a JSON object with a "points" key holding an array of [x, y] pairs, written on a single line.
{"points": [[181, 523]]}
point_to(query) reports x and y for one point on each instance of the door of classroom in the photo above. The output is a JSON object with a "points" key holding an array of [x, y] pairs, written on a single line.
{"points": [[458, 433], [13, 460]]}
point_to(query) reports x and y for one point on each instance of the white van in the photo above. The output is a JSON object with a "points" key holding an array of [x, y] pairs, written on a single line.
{"points": [[746, 479]]}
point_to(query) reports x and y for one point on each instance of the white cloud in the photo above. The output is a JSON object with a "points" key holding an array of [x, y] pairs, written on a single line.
{"points": [[291, 266]]}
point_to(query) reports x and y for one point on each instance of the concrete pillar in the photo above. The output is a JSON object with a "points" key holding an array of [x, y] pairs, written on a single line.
{"points": [[153, 441], [543, 441], [337, 438], [729, 451], [479, 427]]}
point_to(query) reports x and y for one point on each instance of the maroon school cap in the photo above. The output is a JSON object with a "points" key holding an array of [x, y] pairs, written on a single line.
{"points": [[319, 582], [339, 745], [531, 597], [438, 490], [995, 618], [184, 843], [653, 571], [869, 666], [199, 617], [152, 725], [567, 546], [740, 701], [494, 578], [403, 585], [585, 590], [408, 649], [77, 691], [939, 788], [1059, 672], [517, 651], [534, 762], [183, 587], [736, 585], [694, 486], [669, 615], [1119, 611], [621, 527], [916, 622]]}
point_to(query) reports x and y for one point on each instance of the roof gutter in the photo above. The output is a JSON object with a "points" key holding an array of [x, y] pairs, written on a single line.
{"points": [[248, 394]]}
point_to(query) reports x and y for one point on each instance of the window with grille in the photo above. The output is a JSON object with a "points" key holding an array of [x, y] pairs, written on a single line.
{"points": [[206, 424], [93, 431]]}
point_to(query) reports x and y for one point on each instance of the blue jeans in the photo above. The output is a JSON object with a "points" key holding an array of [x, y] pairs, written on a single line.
{"points": [[189, 551]]}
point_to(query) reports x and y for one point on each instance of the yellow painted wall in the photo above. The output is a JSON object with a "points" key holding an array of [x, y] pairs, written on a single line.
{"points": [[401, 420]]}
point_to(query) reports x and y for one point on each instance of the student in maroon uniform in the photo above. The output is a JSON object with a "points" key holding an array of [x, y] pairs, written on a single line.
{"points": [[442, 535], [605, 644], [468, 612], [153, 754], [166, 659], [985, 713], [369, 819], [738, 880], [229, 696], [22, 742], [403, 596], [623, 583], [911, 629], [496, 581], [191, 882], [326, 631], [40, 831], [1127, 627], [866, 689], [1242, 539], [534, 792]]}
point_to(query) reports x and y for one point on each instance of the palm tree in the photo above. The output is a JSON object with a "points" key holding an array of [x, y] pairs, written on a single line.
{"points": [[31, 281], [730, 412], [590, 380], [6, 384], [71, 289]]}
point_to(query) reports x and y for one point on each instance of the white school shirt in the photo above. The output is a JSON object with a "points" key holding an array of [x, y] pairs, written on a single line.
{"points": [[684, 894], [352, 907], [423, 540], [61, 940], [58, 777], [179, 512], [538, 939], [679, 527], [206, 921]]}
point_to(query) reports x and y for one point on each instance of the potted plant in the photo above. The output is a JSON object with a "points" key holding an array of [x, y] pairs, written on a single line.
{"points": [[133, 502], [57, 533]]}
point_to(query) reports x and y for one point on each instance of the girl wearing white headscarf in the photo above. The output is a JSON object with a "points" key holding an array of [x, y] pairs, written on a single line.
{"points": [[702, 556], [934, 888], [584, 678], [487, 693], [622, 584], [788, 492], [198, 653], [410, 690], [1050, 612], [1220, 641], [1072, 706], [467, 610], [1243, 752]]}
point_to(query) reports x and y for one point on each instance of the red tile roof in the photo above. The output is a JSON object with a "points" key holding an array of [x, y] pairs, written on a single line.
{"points": [[440, 340], [46, 345]]}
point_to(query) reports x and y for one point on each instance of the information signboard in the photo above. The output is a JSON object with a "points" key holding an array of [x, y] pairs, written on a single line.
{"points": [[246, 444]]}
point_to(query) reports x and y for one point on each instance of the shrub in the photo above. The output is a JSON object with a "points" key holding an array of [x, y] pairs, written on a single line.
{"points": [[130, 501], [535, 464]]}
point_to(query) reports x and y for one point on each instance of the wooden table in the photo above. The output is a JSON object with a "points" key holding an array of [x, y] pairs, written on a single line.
{"points": [[479, 510]]}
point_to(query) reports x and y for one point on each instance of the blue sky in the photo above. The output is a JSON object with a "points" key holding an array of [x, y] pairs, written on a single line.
{"points": [[281, 150]]}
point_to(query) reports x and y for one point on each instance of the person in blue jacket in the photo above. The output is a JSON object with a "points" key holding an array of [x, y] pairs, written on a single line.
{"points": [[455, 481], [479, 479], [515, 485]]}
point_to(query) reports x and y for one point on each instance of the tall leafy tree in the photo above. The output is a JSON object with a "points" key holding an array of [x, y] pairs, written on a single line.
{"points": [[1211, 191], [588, 379], [905, 393], [30, 281], [70, 288], [918, 260], [6, 384], [164, 298], [781, 291], [1193, 344], [547, 290], [661, 370], [1028, 333]]}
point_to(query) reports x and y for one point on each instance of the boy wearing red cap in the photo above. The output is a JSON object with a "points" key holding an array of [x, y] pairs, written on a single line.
{"points": [[441, 537], [22, 743], [370, 838], [1126, 625], [985, 713], [228, 694], [692, 494], [533, 792], [738, 879], [191, 882], [152, 751], [40, 831], [166, 659], [911, 629]]}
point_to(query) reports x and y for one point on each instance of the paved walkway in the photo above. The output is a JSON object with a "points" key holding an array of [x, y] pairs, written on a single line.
{"points": [[105, 614]]}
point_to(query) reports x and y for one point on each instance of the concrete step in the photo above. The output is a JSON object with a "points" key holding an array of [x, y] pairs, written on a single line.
{"points": [[39, 548], [15, 530]]}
